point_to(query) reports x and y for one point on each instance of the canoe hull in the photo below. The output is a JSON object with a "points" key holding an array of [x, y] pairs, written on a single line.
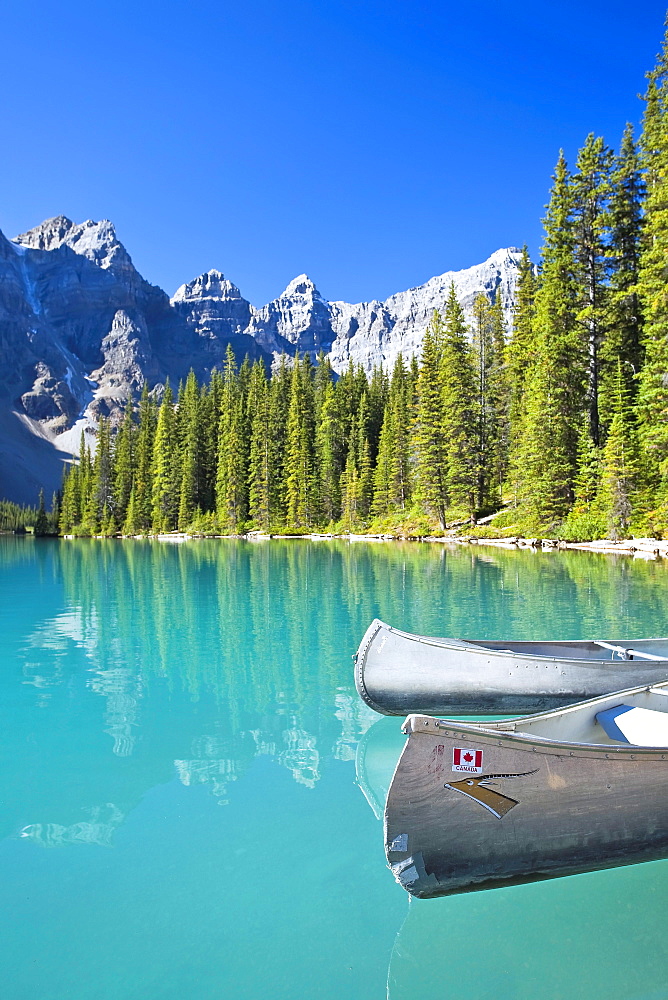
{"points": [[397, 673], [530, 812]]}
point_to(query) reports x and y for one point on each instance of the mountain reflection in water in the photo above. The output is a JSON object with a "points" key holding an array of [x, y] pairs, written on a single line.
{"points": [[143, 685]]}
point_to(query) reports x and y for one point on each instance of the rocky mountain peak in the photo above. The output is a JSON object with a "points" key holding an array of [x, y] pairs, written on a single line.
{"points": [[505, 254], [211, 285], [301, 286], [49, 235], [298, 318], [214, 309], [95, 240], [80, 330]]}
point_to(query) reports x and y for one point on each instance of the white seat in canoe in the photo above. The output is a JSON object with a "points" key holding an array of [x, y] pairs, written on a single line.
{"points": [[642, 727]]}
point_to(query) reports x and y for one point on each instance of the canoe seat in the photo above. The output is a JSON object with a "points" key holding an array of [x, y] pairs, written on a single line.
{"points": [[642, 727]]}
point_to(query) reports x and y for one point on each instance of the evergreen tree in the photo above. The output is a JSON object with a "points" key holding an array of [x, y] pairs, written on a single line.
{"points": [[244, 378], [41, 526], [131, 524], [491, 401], [591, 189], [520, 350], [99, 498], [70, 510], [623, 340], [232, 473], [585, 519], [107, 522], [363, 457], [459, 410], [191, 447], [349, 389], [652, 286], [379, 390], [279, 407], [620, 467], [323, 377], [330, 455], [383, 494], [413, 376], [123, 468], [142, 480], [85, 479], [164, 468], [400, 402], [54, 516], [544, 460], [392, 478], [300, 485], [428, 432], [210, 408], [498, 403], [543, 485], [356, 482], [350, 492], [261, 461]]}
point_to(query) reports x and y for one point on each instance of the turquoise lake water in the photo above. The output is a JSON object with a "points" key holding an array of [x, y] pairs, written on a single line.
{"points": [[181, 817]]}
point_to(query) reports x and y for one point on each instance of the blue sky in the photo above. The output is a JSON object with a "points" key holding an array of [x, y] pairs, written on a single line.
{"points": [[369, 144]]}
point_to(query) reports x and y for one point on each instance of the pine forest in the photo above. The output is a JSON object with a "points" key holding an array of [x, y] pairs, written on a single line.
{"points": [[559, 424]]}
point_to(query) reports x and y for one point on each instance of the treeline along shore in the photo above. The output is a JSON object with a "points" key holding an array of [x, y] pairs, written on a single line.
{"points": [[560, 425]]}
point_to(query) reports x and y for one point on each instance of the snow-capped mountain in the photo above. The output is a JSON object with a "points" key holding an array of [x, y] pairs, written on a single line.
{"points": [[80, 329]]}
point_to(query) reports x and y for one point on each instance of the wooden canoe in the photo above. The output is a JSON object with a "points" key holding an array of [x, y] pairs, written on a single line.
{"points": [[397, 673], [495, 803]]}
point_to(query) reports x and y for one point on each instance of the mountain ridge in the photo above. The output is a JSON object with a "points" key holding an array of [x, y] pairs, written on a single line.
{"points": [[81, 329]]}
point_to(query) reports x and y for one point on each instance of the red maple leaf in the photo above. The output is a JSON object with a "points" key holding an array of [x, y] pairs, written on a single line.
{"points": [[468, 756]]}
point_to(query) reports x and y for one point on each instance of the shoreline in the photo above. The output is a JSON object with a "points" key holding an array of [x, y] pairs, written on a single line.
{"points": [[639, 548]]}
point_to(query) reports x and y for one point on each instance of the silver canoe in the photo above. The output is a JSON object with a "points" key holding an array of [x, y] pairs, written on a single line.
{"points": [[397, 673], [495, 803]]}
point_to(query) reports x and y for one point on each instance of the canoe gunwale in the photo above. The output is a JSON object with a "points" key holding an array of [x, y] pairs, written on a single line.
{"points": [[470, 645], [502, 732], [360, 657], [424, 724]]}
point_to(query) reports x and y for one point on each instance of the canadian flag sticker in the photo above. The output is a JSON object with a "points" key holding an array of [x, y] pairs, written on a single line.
{"points": [[467, 760]]}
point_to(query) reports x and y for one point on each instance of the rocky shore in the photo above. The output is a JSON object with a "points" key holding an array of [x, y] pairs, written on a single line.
{"points": [[639, 548]]}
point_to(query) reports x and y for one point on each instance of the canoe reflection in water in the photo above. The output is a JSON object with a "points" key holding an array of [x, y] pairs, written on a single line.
{"points": [[563, 939], [377, 754]]}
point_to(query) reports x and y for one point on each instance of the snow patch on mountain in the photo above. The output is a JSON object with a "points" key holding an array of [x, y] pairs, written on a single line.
{"points": [[81, 330]]}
